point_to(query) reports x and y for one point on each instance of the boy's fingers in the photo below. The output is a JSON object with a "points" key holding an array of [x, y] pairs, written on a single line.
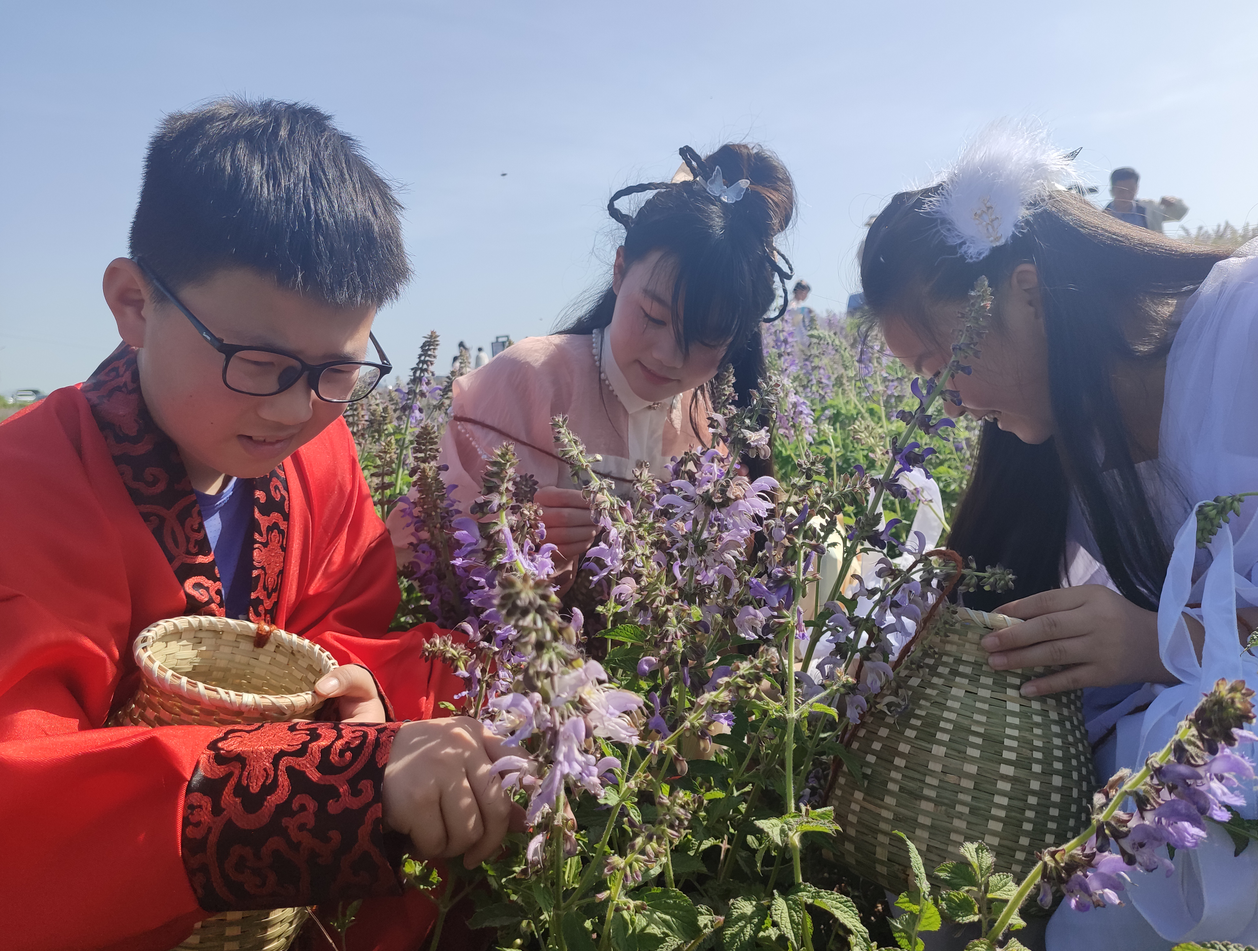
{"points": [[429, 836], [348, 681], [495, 814], [464, 828]]}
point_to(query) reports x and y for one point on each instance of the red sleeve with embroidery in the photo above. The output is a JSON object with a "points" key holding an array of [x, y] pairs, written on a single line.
{"points": [[287, 814]]}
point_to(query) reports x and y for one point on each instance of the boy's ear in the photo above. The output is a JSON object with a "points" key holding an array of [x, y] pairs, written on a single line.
{"points": [[126, 293], [618, 270]]}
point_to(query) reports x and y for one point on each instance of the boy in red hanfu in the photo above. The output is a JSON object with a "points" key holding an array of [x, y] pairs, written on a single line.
{"points": [[204, 468]]}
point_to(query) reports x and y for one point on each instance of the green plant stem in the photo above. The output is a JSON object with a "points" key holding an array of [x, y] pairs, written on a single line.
{"points": [[727, 860], [557, 912], [1133, 783], [604, 938], [443, 909], [791, 805]]}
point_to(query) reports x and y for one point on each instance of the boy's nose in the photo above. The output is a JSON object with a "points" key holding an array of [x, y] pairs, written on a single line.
{"points": [[953, 410], [292, 407]]}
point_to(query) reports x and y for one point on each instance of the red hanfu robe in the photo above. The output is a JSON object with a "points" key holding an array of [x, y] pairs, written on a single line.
{"points": [[123, 837]]}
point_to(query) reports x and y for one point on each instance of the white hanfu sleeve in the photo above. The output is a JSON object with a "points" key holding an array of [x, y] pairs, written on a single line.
{"points": [[1209, 444]]}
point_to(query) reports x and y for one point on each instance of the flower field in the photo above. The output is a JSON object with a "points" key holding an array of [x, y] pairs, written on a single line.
{"points": [[680, 725]]}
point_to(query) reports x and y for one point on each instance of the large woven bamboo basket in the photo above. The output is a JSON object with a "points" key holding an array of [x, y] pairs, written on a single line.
{"points": [[969, 759], [220, 672]]}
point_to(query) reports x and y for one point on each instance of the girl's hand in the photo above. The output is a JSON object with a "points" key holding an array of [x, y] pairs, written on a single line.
{"points": [[358, 701], [1096, 634], [569, 524], [439, 788]]}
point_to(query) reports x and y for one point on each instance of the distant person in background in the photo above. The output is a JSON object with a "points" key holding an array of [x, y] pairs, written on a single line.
{"points": [[797, 312], [1123, 183], [481, 357], [463, 354]]}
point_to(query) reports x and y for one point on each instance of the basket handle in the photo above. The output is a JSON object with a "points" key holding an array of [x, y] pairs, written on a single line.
{"points": [[264, 632]]}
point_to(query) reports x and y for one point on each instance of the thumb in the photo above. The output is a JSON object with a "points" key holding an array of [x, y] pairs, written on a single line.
{"points": [[349, 681]]}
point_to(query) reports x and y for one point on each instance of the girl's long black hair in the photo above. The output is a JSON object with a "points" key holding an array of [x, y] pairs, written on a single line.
{"points": [[1108, 291], [722, 255]]}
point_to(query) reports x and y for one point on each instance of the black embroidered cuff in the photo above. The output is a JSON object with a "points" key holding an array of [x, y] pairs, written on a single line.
{"points": [[288, 814]]}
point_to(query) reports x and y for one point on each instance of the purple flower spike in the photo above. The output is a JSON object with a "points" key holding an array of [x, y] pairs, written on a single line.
{"points": [[1180, 823], [646, 665], [657, 722]]}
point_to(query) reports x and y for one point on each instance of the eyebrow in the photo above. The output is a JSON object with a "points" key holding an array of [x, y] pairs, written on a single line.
{"points": [[657, 299], [338, 357]]}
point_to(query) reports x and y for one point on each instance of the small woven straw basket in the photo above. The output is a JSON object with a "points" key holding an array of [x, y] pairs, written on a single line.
{"points": [[970, 759], [207, 671]]}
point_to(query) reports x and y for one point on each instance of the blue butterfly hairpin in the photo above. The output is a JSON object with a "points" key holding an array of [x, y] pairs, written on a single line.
{"points": [[728, 193]]}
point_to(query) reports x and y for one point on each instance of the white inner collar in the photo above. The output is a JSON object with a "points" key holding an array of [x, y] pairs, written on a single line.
{"points": [[616, 379]]}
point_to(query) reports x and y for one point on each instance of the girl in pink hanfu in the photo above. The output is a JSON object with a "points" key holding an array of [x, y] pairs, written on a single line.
{"points": [[692, 281]]}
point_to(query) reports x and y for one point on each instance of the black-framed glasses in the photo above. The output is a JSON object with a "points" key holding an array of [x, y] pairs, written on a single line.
{"points": [[260, 371]]}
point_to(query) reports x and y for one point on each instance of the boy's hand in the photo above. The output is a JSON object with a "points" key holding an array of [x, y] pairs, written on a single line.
{"points": [[358, 701], [439, 788], [1096, 634]]}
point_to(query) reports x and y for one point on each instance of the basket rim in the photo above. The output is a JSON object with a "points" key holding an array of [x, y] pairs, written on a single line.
{"points": [[209, 695]]}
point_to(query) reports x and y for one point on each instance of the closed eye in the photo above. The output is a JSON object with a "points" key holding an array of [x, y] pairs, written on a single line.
{"points": [[652, 321]]}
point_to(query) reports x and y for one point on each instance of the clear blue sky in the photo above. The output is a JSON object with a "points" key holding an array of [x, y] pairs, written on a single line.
{"points": [[573, 100]]}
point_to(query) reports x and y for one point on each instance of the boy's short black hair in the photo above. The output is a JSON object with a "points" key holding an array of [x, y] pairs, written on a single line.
{"points": [[272, 186], [1123, 174]]}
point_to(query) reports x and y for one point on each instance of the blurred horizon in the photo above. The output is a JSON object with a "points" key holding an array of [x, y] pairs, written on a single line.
{"points": [[508, 126]]}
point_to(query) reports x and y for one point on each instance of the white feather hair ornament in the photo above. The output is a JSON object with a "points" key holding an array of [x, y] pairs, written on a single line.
{"points": [[1000, 176]]}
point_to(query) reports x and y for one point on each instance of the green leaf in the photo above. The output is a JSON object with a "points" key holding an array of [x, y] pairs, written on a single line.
{"points": [[905, 937], [982, 944], [624, 659], [957, 875], [980, 858], [1242, 831], [1213, 946], [1013, 944], [851, 764], [820, 707], [742, 925], [706, 769], [498, 915], [921, 882], [575, 935], [1002, 887], [786, 918], [926, 914], [958, 907], [623, 936], [685, 865], [843, 909], [668, 913], [626, 632], [776, 830]]}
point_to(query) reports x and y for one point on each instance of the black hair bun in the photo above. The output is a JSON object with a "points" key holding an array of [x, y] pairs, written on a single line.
{"points": [[769, 204]]}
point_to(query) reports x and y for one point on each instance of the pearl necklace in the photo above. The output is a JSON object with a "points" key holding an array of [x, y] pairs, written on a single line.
{"points": [[596, 347]]}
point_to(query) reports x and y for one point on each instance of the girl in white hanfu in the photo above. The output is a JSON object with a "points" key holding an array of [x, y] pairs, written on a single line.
{"points": [[1119, 381], [695, 276]]}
